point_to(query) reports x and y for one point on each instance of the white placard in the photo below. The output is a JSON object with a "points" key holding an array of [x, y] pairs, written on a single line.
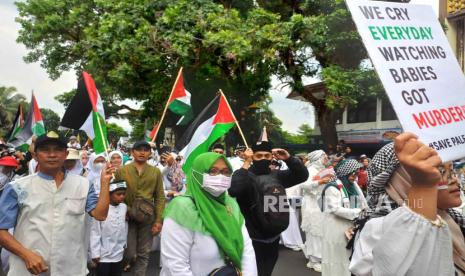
{"points": [[418, 69]]}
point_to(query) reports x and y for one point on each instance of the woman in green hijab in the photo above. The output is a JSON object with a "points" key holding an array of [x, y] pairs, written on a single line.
{"points": [[204, 229]]}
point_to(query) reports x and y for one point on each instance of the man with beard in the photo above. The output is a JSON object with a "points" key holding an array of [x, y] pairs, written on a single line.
{"points": [[255, 186]]}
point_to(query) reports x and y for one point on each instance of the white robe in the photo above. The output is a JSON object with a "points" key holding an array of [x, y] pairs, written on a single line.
{"points": [[188, 253], [402, 243], [312, 217], [291, 237], [108, 238], [337, 219]]}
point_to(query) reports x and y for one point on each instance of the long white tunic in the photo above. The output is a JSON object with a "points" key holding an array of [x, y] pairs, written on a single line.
{"points": [[188, 253], [108, 238], [312, 217], [402, 243], [337, 219], [291, 237]]}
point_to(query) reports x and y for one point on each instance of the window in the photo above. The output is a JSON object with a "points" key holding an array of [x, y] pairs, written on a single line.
{"points": [[338, 114], [363, 112], [387, 111]]}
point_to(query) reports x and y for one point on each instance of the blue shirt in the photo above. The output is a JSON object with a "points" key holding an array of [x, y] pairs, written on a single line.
{"points": [[9, 203]]}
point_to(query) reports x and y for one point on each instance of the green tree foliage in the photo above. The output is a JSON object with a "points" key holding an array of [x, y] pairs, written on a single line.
{"points": [[51, 119], [114, 132], [134, 49], [9, 101]]}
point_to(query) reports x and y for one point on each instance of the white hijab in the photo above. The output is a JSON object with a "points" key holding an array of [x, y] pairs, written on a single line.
{"points": [[94, 173], [77, 169], [315, 160], [119, 153]]}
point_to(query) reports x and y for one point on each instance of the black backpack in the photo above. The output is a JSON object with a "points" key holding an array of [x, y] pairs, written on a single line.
{"points": [[269, 194]]}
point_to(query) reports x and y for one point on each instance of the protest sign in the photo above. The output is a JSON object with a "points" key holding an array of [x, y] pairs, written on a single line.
{"points": [[418, 69]]}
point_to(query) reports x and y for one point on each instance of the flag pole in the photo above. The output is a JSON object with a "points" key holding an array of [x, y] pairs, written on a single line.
{"points": [[104, 139], [235, 120], [166, 107]]}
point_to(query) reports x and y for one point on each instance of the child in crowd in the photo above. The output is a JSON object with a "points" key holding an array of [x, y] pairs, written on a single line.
{"points": [[108, 238]]}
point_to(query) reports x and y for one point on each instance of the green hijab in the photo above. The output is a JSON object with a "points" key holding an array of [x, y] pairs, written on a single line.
{"points": [[219, 217]]}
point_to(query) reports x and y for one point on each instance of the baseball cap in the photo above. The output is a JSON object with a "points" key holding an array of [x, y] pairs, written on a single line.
{"points": [[50, 138], [141, 144]]}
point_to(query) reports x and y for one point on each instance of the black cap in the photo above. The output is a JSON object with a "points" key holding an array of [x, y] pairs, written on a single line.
{"points": [[50, 138], [262, 146], [141, 144]]}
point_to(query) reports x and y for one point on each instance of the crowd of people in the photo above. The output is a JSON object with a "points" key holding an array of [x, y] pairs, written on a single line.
{"points": [[66, 210]]}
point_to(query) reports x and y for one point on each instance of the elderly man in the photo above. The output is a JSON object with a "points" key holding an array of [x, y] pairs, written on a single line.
{"points": [[48, 210]]}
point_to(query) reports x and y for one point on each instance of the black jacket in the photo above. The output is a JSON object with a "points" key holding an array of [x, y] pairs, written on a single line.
{"points": [[242, 189]]}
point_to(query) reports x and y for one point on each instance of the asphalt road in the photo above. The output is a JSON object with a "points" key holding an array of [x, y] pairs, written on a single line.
{"points": [[290, 263]]}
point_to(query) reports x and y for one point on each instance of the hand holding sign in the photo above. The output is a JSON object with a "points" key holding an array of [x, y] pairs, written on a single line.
{"points": [[418, 70]]}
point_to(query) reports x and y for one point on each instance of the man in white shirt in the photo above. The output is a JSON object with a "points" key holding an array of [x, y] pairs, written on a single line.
{"points": [[238, 160], [48, 212]]}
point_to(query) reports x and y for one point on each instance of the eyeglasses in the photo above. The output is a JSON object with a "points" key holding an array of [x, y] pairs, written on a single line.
{"points": [[260, 156], [216, 171]]}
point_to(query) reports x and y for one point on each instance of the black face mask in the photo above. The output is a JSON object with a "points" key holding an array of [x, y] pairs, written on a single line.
{"points": [[261, 167]]}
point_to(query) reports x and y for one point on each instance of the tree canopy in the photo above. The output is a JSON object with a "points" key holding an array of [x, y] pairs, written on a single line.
{"points": [[9, 101], [133, 49]]}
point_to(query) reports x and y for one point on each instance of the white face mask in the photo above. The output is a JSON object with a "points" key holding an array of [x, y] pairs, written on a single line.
{"points": [[216, 185], [99, 166]]}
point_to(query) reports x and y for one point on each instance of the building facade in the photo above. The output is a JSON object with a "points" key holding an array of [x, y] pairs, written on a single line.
{"points": [[455, 26]]}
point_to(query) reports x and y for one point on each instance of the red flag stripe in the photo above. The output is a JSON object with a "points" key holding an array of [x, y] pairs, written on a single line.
{"points": [[224, 114], [91, 89], [179, 90], [37, 114]]}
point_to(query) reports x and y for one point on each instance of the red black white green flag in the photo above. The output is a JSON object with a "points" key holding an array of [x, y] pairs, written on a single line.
{"points": [[180, 100], [212, 123], [33, 125], [85, 112]]}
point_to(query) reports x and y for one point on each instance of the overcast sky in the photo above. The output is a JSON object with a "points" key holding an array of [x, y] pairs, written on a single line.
{"points": [[27, 77]]}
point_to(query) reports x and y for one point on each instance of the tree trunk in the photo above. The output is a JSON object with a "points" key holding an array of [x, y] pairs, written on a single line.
{"points": [[327, 123]]}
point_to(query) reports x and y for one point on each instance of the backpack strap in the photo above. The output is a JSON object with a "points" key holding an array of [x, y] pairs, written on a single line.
{"points": [[331, 184]]}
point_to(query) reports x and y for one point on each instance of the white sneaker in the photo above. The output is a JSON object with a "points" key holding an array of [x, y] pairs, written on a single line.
{"points": [[310, 264], [317, 267]]}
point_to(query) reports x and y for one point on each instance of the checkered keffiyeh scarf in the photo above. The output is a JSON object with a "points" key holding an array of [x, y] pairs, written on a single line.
{"points": [[346, 167], [380, 171]]}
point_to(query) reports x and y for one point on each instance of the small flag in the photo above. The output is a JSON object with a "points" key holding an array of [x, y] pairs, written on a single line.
{"points": [[180, 100], [34, 125], [149, 134], [18, 123], [211, 124], [85, 112], [38, 127]]}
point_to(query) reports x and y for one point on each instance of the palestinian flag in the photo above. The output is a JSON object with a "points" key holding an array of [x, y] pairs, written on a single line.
{"points": [[34, 125], [211, 124], [85, 112], [180, 100], [18, 123], [149, 134], [38, 127]]}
